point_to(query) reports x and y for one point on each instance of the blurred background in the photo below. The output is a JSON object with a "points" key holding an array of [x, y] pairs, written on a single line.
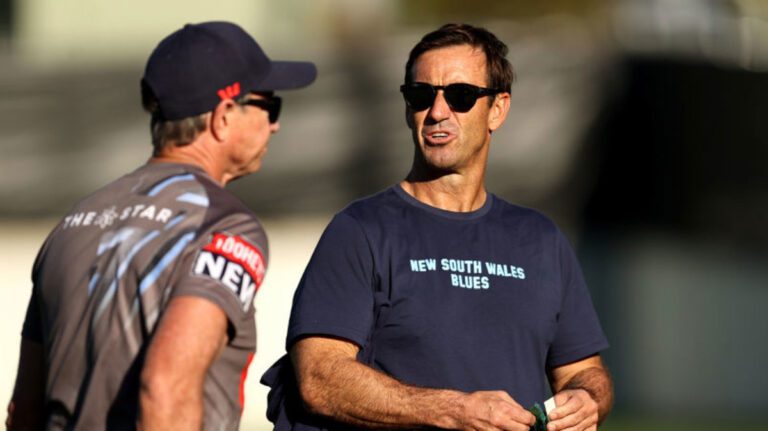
{"points": [[638, 125]]}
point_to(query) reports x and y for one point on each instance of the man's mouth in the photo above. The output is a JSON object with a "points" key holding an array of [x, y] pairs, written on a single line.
{"points": [[438, 137]]}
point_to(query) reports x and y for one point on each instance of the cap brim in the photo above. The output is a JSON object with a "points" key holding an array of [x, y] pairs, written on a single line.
{"points": [[286, 75]]}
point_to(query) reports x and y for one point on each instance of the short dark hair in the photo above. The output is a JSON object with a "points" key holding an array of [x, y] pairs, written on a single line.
{"points": [[169, 132], [500, 73]]}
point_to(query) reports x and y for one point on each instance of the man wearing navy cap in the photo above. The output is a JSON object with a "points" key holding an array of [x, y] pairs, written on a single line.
{"points": [[141, 312]]}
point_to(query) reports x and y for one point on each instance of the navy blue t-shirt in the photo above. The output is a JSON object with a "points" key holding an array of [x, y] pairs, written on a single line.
{"points": [[484, 300]]}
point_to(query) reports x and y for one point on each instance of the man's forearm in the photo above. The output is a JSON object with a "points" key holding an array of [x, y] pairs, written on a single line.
{"points": [[362, 396], [597, 382], [335, 385]]}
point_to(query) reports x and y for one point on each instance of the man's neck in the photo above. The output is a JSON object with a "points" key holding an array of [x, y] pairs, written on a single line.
{"points": [[451, 192], [195, 155]]}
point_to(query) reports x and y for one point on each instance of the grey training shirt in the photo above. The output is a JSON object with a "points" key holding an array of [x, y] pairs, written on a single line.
{"points": [[106, 273]]}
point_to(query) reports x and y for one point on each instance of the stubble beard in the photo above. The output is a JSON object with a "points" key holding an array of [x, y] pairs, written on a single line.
{"points": [[429, 167]]}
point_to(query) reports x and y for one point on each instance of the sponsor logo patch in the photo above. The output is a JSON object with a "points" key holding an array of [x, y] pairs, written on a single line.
{"points": [[230, 91], [235, 263], [109, 216]]}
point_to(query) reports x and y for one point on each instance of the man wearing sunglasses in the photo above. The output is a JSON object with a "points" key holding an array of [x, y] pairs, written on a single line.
{"points": [[435, 303], [142, 306]]}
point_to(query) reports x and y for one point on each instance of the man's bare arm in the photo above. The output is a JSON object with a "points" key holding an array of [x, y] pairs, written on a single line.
{"points": [[26, 411], [189, 337], [583, 394], [334, 384]]}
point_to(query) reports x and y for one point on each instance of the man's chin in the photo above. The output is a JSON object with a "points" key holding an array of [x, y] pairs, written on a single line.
{"points": [[440, 163], [247, 171], [437, 169]]}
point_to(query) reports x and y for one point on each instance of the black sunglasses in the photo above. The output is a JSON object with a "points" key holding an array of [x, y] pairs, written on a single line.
{"points": [[460, 97], [271, 105]]}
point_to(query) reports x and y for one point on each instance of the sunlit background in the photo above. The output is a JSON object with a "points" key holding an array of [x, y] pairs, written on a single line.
{"points": [[638, 125]]}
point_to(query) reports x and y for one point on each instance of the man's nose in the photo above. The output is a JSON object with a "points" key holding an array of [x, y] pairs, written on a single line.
{"points": [[439, 110]]}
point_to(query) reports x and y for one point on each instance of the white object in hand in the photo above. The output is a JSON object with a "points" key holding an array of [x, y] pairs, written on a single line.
{"points": [[549, 405]]}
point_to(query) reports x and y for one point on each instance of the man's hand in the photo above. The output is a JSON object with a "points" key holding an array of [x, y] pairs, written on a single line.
{"points": [[576, 411], [491, 410], [583, 394]]}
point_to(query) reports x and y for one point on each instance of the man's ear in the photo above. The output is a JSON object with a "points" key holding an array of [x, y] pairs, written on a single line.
{"points": [[221, 119], [499, 110]]}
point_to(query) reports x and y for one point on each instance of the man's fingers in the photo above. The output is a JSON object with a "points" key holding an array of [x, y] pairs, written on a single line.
{"points": [[566, 423], [562, 397], [567, 404], [518, 413], [523, 417], [578, 412], [497, 410]]}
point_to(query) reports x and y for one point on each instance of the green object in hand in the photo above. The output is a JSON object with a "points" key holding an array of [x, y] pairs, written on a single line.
{"points": [[541, 418]]}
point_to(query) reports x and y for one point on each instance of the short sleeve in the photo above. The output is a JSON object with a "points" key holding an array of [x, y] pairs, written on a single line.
{"points": [[32, 329], [335, 294], [578, 333], [226, 265], [33, 326]]}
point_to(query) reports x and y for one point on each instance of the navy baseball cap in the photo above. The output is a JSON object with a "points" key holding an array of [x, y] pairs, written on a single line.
{"points": [[196, 67]]}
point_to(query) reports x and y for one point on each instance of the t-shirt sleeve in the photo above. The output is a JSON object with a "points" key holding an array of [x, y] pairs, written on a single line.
{"points": [[32, 329], [578, 333], [225, 265], [335, 294], [33, 326]]}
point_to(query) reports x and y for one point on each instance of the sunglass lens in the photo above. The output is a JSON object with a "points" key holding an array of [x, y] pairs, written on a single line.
{"points": [[461, 97], [274, 109], [419, 97]]}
